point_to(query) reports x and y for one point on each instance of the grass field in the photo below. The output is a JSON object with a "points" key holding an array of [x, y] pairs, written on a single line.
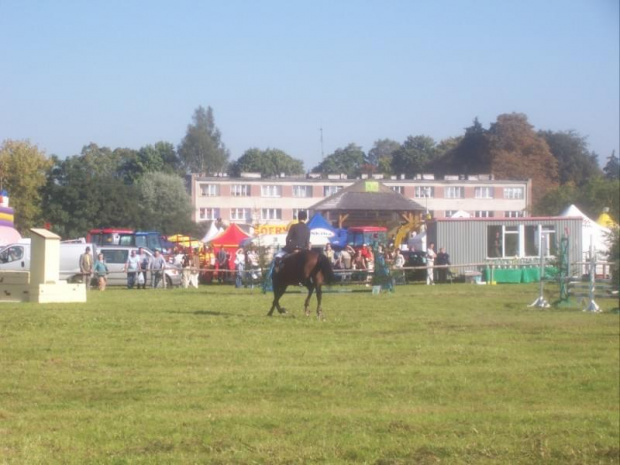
{"points": [[444, 374]]}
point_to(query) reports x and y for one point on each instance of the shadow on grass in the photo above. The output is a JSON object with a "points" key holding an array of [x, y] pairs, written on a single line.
{"points": [[203, 313]]}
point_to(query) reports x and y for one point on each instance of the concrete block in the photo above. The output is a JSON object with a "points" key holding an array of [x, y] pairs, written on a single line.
{"points": [[14, 277], [58, 292], [14, 292]]}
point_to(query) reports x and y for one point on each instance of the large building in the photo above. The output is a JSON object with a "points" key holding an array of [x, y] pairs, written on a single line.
{"points": [[254, 200]]}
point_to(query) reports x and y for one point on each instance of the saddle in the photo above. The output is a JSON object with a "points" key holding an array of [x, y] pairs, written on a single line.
{"points": [[278, 265]]}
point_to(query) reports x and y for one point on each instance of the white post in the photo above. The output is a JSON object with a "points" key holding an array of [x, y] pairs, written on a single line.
{"points": [[541, 302], [592, 305]]}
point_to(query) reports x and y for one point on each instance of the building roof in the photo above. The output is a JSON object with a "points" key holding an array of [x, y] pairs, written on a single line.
{"points": [[367, 194]]}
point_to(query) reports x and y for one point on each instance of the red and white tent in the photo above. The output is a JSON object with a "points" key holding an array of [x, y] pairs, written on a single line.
{"points": [[229, 239]]}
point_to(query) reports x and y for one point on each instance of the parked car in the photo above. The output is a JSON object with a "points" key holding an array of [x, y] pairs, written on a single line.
{"points": [[415, 258], [16, 257], [115, 256]]}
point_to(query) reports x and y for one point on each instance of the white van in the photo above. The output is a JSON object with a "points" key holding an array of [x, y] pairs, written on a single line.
{"points": [[16, 257]]}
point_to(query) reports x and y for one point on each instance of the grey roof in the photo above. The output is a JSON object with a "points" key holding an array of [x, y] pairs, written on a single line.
{"points": [[367, 194]]}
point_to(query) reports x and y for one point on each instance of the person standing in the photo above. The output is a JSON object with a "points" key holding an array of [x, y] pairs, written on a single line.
{"points": [[443, 259], [157, 266], [240, 266], [221, 263], [399, 259], [86, 266], [132, 267], [101, 272], [144, 266], [329, 253], [430, 264]]}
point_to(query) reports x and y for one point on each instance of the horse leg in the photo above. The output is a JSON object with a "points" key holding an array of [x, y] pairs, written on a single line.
{"points": [[310, 287], [278, 291], [319, 295]]}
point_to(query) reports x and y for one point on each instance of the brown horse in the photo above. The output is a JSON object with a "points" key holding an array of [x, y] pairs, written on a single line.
{"points": [[308, 267]]}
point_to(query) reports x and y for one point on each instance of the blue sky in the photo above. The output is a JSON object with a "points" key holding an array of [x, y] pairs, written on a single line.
{"points": [[131, 73]]}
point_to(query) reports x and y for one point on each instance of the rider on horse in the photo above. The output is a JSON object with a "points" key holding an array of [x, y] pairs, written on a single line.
{"points": [[298, 238]]}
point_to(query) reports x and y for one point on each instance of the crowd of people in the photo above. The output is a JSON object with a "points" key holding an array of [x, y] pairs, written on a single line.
{"points": [[362, 258], [243, 266]]}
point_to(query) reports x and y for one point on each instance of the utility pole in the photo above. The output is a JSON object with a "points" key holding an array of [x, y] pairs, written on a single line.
{"points": [[322, 153]]}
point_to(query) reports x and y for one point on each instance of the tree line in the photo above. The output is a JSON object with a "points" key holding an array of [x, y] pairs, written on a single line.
{"points": [[146, 188]]}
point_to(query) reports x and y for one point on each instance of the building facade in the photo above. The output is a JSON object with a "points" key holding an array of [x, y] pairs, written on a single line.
{"points": [[254, 200]]}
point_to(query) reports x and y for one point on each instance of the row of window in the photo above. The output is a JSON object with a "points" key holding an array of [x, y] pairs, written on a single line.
{"points": [[264, 214], [458, 192], [450, 192]]}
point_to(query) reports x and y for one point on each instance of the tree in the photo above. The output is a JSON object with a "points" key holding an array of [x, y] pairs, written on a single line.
{"points": [[468, 154], [414, 155], [575, 163], [517, 152], [599, 193], [150, 158], [269, 163], [555, 201], [591, 198], [380, 156], [447, 145], [612, 168], [348, 160], [164, 203], [23, 168], [84, 192], [202, 150]]}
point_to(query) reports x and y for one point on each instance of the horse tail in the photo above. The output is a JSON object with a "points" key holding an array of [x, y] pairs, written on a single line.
{"points": [[325, 266]]}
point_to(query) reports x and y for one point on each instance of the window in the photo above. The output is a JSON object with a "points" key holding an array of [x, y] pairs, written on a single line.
{"points": [[454, 192], [209, 213], [484, 192], [271, 191], [209, 190], [331, 190], [240, 190], [511, 241], [514, 214], [483, 214], [537, 234], [449, 213], [424, 191], [271, 214], [240, 214], [302, 191], [399, 189], [12, 254], [513, 192], [115, 256]]}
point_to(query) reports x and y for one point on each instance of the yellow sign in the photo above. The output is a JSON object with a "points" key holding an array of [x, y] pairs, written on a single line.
{"points": [[261, 229], [372, 186]]}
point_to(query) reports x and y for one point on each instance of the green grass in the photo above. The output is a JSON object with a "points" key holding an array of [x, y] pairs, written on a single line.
{"points": [[442, 374]]}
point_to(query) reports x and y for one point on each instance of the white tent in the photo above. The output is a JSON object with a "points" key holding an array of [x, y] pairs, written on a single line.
{"points": [[460, 214], [592, 232], [213, 232], [267, 240], [279, 240]]}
